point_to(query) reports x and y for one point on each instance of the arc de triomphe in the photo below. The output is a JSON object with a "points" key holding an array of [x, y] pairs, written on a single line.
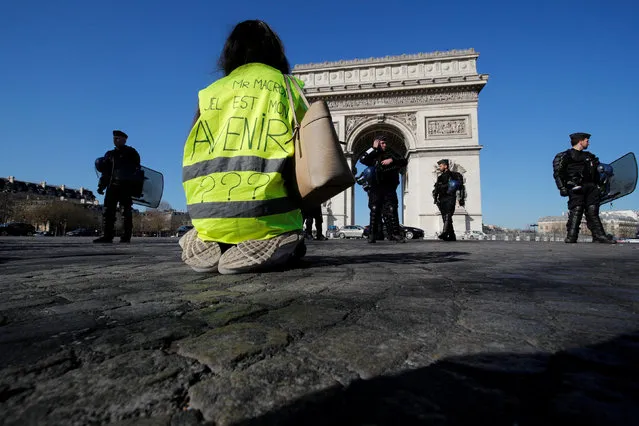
{"points": [[427, 104]]}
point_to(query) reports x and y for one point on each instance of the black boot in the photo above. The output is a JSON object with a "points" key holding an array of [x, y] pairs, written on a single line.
{"points": [[443, 235], [372, 227], [128, 228], [107, 227], [596, 227], [395, 231], [449, 232], [572, 226], [379, 232]]}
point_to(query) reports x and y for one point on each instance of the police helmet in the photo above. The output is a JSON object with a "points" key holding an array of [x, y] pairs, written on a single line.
{"points": [[453, 186], [102, 165]]}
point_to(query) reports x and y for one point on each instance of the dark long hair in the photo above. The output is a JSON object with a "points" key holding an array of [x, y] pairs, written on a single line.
{"points": [[253, 41]]}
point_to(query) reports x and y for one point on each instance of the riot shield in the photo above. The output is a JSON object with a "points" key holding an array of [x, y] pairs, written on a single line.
{"points": [[623, 180], [152, 189]]}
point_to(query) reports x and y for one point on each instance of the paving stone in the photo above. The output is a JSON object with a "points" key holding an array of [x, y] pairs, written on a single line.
{"points": [[264, 386], [248, 288], [47, 326], [273, 298], [300, 318], [155, 333], [223, 313], [140, 383], [364, 351], [210, 296], [139, 311], [95, 305], [222, 348]]}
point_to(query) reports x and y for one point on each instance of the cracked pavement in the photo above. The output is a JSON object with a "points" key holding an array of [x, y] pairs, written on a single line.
{"points": [[428, 332]]}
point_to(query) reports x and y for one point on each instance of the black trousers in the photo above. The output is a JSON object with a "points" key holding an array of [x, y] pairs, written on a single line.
{"points": [[118, 194], [383, 203], [588, 195], [585, 201], [310, 215], [446, 204]]}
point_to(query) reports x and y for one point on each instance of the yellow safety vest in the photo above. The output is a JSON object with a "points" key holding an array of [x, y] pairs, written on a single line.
{"points": [[235, 155]]}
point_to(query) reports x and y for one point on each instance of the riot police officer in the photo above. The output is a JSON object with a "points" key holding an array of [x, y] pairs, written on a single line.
{"points": [[121, 177], [445, 196], [576, 176], [382, 193]]}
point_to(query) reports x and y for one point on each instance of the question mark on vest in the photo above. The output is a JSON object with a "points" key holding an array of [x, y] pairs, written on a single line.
{"points": [[239, 181], [209, 190], [258, 186]]}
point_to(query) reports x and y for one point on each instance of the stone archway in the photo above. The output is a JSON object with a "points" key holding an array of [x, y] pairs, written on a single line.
{"points": [[427, 103]]}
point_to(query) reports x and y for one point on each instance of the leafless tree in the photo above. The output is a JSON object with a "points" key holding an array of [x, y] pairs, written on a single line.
{"points": [[164, 206], [156, 221], [7, 207], [61, 216]]}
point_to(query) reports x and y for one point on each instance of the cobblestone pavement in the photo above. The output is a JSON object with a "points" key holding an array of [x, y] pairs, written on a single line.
{"points": [[428, 332]]}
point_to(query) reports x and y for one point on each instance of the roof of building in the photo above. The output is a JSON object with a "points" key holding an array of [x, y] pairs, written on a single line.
{"points": [[18, 186], [619, 215], [627, 215]]}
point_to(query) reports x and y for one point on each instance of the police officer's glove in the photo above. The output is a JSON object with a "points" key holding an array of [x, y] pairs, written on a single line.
{"points": [[564, 192], [100, 190]]}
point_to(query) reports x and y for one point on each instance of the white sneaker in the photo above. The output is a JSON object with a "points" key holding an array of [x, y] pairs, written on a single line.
{"points": [[201, 256], [254, 255]]}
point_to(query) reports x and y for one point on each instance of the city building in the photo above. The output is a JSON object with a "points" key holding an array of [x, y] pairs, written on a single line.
{"points": [[21, 190], [620, 223]]}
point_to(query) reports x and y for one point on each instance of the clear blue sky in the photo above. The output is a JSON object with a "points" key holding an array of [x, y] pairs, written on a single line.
{"points": [[72, 71]]}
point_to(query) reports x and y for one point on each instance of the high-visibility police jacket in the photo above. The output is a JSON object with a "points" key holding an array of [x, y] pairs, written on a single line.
{"points": [[236, 155]]}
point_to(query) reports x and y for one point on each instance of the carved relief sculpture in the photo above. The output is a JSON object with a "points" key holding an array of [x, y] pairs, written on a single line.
{"points": [[437, 128], [408, 118]]}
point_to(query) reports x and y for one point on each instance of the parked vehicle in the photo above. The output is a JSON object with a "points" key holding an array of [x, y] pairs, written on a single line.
{"points": [[410, 232], [81, 232], [43, 234], [474, 235], [17, 229], [351, 231], [183, 230]]}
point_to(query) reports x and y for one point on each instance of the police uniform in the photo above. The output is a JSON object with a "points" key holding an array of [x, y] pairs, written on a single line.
{"points": [[445, 196], [121, 177], [576, 176], [382, 193]]}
